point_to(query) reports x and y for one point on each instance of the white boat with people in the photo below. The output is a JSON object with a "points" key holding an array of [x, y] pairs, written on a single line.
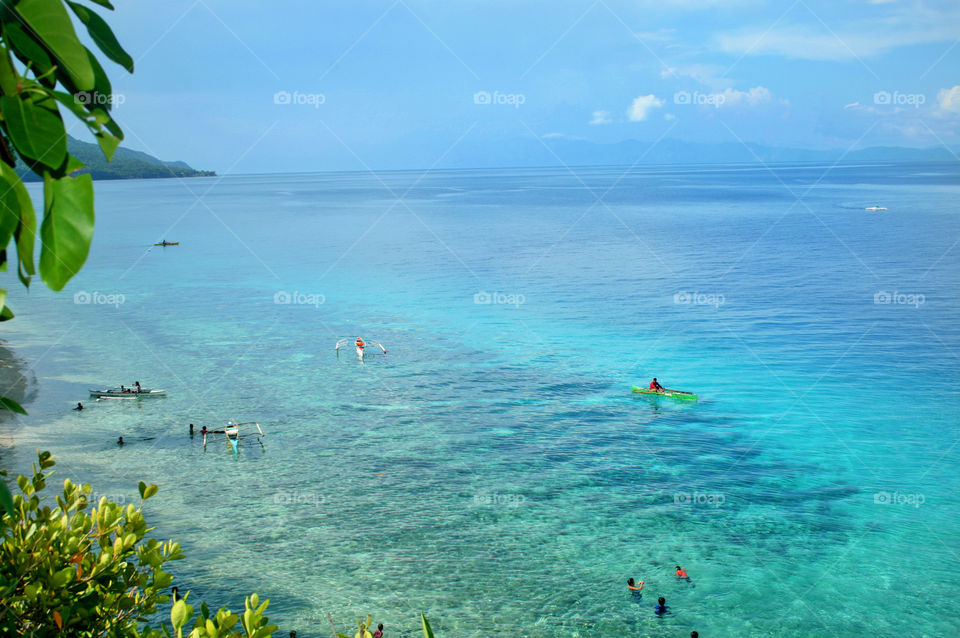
{"points": [[134, 391]]}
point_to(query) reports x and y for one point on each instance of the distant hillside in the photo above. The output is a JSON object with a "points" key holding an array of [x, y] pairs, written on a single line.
{"points": [[126, 164]]}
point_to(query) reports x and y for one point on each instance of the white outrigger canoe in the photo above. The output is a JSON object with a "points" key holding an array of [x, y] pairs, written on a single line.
{"points": [[369, 347], [233, 432], [128, 393]]}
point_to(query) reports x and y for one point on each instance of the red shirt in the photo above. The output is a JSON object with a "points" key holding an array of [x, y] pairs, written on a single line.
{"points": [[653, 385]]}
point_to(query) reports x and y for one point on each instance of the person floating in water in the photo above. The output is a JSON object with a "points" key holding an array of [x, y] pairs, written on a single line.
{"points": [[656, 386], [204, 431], [682, 575], [632, 586], [694, 634], [191, 430], [79, 406], [120, 441], [379, 632], [661, 607]]}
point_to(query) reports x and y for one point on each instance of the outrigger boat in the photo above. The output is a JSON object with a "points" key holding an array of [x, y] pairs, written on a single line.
{"points": [[667, 392], [874, 208], [126, 393], [167, 243], [361, 349], [233, 432]]}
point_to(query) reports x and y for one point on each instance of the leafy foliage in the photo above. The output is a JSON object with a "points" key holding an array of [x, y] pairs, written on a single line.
{"points": [[44, 67], [65, 570]]}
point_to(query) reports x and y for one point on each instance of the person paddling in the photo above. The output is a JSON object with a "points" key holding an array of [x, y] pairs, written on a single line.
{"points": [[654, 385]]}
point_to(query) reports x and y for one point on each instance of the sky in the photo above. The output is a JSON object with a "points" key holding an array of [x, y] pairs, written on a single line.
{"points": [[239, 86]]}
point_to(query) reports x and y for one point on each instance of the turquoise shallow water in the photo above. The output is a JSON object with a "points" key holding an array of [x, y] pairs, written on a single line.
{"points": [[494, 469]]}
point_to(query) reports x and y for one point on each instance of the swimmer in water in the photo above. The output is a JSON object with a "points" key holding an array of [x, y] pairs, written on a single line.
{"points": [[682, 575], [79, 406], [120, 441], [661, 607], [632, 586]]}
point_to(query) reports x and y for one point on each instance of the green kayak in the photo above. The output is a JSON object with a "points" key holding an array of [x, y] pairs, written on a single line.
{"points": [[667, 392]]}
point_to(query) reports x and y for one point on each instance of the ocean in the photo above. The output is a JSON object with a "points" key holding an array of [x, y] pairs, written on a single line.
{"points": [[494, 469]]}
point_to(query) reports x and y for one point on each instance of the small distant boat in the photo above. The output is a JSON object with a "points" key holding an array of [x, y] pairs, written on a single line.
{"points": [[126, 393], [167, 243], [667, 392], [874, 208], [233, 432], [369, 347]]}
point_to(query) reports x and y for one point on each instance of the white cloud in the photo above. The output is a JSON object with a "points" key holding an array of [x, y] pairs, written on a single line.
{"points": [[949, 99], [669, 116], [751, 97], [601, 117], [901, 26], [641, 106]]}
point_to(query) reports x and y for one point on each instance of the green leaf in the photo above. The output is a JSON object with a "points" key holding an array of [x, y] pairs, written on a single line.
{"points": [[108, 144], [26, 48], [102, 35], [67, 228], [50, 23], [142, 487], [103, 3], [10, 404], [35, 129], [427, 631], [180, 614], [26, 231], [9, 212], [150, 491], [6, 500]]}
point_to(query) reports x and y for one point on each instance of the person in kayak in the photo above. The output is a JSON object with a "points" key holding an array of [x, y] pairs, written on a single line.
{"points": [[661, 607], [656, 386], [632, 586]]}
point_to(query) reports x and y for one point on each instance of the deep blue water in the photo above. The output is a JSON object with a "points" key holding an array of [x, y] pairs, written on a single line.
{"points": [[494, 469]]}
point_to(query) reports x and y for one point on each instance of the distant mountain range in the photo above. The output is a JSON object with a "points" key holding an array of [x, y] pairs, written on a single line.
{"points": [[126, 164], [559, 151]]}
